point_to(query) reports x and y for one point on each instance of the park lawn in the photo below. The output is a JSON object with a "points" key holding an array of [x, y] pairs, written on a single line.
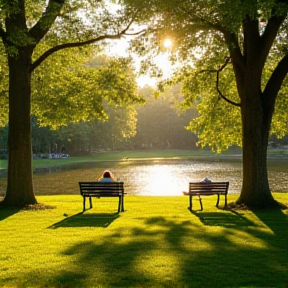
{"points": [[156, 242]]}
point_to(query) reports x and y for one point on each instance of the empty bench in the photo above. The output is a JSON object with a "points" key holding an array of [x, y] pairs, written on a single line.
{"points": [[206, 189], [102, 189]]}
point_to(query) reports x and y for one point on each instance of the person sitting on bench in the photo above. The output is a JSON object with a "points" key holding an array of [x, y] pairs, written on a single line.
{"points": [[106, 177]]}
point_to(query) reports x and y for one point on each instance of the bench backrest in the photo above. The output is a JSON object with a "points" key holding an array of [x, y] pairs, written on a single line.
{"points": [[95, 188], [208, 188]]}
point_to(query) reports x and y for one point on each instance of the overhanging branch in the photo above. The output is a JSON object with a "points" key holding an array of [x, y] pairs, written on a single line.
{"points": [[39, 30], [54, 49], [276, 80], [227, 61]]}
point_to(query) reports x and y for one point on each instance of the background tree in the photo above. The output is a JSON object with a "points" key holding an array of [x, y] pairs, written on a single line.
{"points": [[86, 138], [247, 33], [31, 31], [78, 91], [146, 126], [161, 124]]}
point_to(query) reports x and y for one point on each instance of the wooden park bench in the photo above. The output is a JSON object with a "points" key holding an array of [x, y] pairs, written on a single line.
{"points": [[102, 189], [206, 189]]}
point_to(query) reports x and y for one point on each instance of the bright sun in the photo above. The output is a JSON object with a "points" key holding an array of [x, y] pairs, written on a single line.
{"points": [[167, 43], [119, 48]]}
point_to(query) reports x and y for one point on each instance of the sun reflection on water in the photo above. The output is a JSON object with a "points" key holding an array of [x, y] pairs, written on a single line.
{"points": [[161, 179]]}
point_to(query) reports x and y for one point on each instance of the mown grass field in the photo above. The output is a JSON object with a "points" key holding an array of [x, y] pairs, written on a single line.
{"points": [[156, 242]]}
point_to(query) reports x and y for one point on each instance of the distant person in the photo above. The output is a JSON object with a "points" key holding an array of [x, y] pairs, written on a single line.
{"points": [[106, 177], [206, 180]]}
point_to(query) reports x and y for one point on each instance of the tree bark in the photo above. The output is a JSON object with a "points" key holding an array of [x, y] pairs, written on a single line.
{"points": [[257, 107], [19, 180], [256, 123]]}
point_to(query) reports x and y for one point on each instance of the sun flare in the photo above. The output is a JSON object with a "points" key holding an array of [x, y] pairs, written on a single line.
{"points": [[167, 43]]}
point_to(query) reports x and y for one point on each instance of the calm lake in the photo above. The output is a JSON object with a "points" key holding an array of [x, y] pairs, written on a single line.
{"points": [[160, 177], [154, 178]]}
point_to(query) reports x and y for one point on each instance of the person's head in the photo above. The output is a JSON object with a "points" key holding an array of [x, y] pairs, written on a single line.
{"points": [[107, 174]]}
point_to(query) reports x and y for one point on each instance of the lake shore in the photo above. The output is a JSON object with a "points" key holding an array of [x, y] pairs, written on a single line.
{"points": [[149, 155]]}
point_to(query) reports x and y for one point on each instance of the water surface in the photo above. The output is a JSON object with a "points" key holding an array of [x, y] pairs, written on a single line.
{"points": [[160, 177]]}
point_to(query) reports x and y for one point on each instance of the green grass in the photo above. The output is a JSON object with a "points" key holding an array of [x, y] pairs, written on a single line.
{"points": [[156, 242]]}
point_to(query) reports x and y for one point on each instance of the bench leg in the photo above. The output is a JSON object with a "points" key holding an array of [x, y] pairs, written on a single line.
{"points": [[225, 200], [84, 200], [122, 203], [218, 197], [190, 202], [200, 200], [90, 201], [119, 204]]}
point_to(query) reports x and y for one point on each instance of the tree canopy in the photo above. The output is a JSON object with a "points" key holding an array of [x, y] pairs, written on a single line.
{"points": [[77, 91], [31, 33], [250, 36]]}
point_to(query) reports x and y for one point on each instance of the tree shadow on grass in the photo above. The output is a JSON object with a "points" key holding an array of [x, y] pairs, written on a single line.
{"points": [[277, 221], [86, 220], [161, 252], [224, 219], [7, 212], [137, 262]]}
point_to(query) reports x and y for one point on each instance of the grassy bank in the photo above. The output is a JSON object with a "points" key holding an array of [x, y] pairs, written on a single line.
{"points": [[121, 156], [156, 242], [140, 155]]}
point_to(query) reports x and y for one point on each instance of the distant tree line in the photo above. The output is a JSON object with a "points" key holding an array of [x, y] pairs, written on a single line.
{"points": [[157, 124]]}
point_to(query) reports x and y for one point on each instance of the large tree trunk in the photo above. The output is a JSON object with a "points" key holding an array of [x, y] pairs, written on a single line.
{"points": [[256, 125], [19, 182]]}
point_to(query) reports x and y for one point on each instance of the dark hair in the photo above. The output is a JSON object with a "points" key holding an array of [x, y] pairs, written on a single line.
{"points": [[106, 174]]}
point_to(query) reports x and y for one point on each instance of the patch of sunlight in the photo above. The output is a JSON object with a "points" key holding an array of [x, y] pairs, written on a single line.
{"points": [[248, 240]]}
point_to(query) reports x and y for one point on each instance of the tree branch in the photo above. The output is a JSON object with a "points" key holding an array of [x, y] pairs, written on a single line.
{"points": [[232, 42], [271, 31], [270, 34], [49, 52], [274, 84], [231, 38], [54, 49], [136, 33], [227, 61], [206, 24], [39, 30]]}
